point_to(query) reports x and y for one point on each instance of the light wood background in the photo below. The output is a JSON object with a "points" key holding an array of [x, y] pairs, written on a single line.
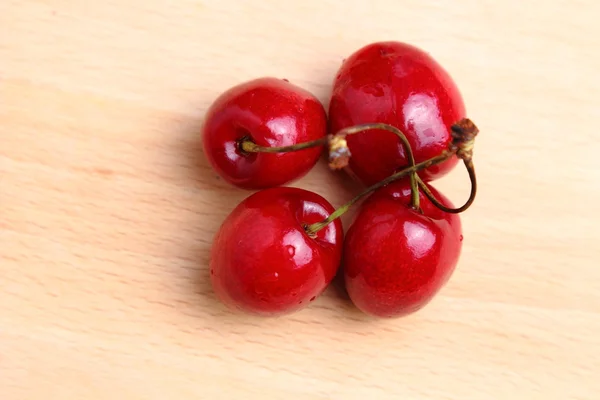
{"points": [[108, 208]]}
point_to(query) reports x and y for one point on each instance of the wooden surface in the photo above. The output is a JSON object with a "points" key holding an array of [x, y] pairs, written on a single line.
{"points": [[108, 208]]}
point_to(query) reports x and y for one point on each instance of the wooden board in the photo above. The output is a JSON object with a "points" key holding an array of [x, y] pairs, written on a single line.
{"points": [[108, 207]]}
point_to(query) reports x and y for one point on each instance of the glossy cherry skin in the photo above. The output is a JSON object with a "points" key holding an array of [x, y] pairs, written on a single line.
{"points": [[401, 85], [263, 262], [397, 259], [270, 112]]}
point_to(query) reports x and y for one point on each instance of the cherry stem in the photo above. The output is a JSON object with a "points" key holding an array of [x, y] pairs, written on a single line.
{"points": [[463, 134], [248, 146], [472, 194]]}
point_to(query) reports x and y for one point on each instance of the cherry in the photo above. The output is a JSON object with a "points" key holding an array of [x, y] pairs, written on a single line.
{"points": [[400, 85], [247, 119], [264, 262], [396, 259]]}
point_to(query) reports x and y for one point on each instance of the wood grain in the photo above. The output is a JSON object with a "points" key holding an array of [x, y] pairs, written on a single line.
{"points": [[108, 208]]}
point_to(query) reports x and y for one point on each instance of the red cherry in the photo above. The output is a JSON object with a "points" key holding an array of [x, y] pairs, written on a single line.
{"points": [[397, 84], [264, 262], [269, 112], [395, 258]]}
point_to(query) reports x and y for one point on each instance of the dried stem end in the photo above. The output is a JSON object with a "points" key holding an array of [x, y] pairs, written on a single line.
{"points": [[339, 153], [463, 138]]}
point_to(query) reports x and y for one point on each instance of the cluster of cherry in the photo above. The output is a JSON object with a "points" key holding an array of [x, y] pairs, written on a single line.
{"points": [[397, 122]]}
